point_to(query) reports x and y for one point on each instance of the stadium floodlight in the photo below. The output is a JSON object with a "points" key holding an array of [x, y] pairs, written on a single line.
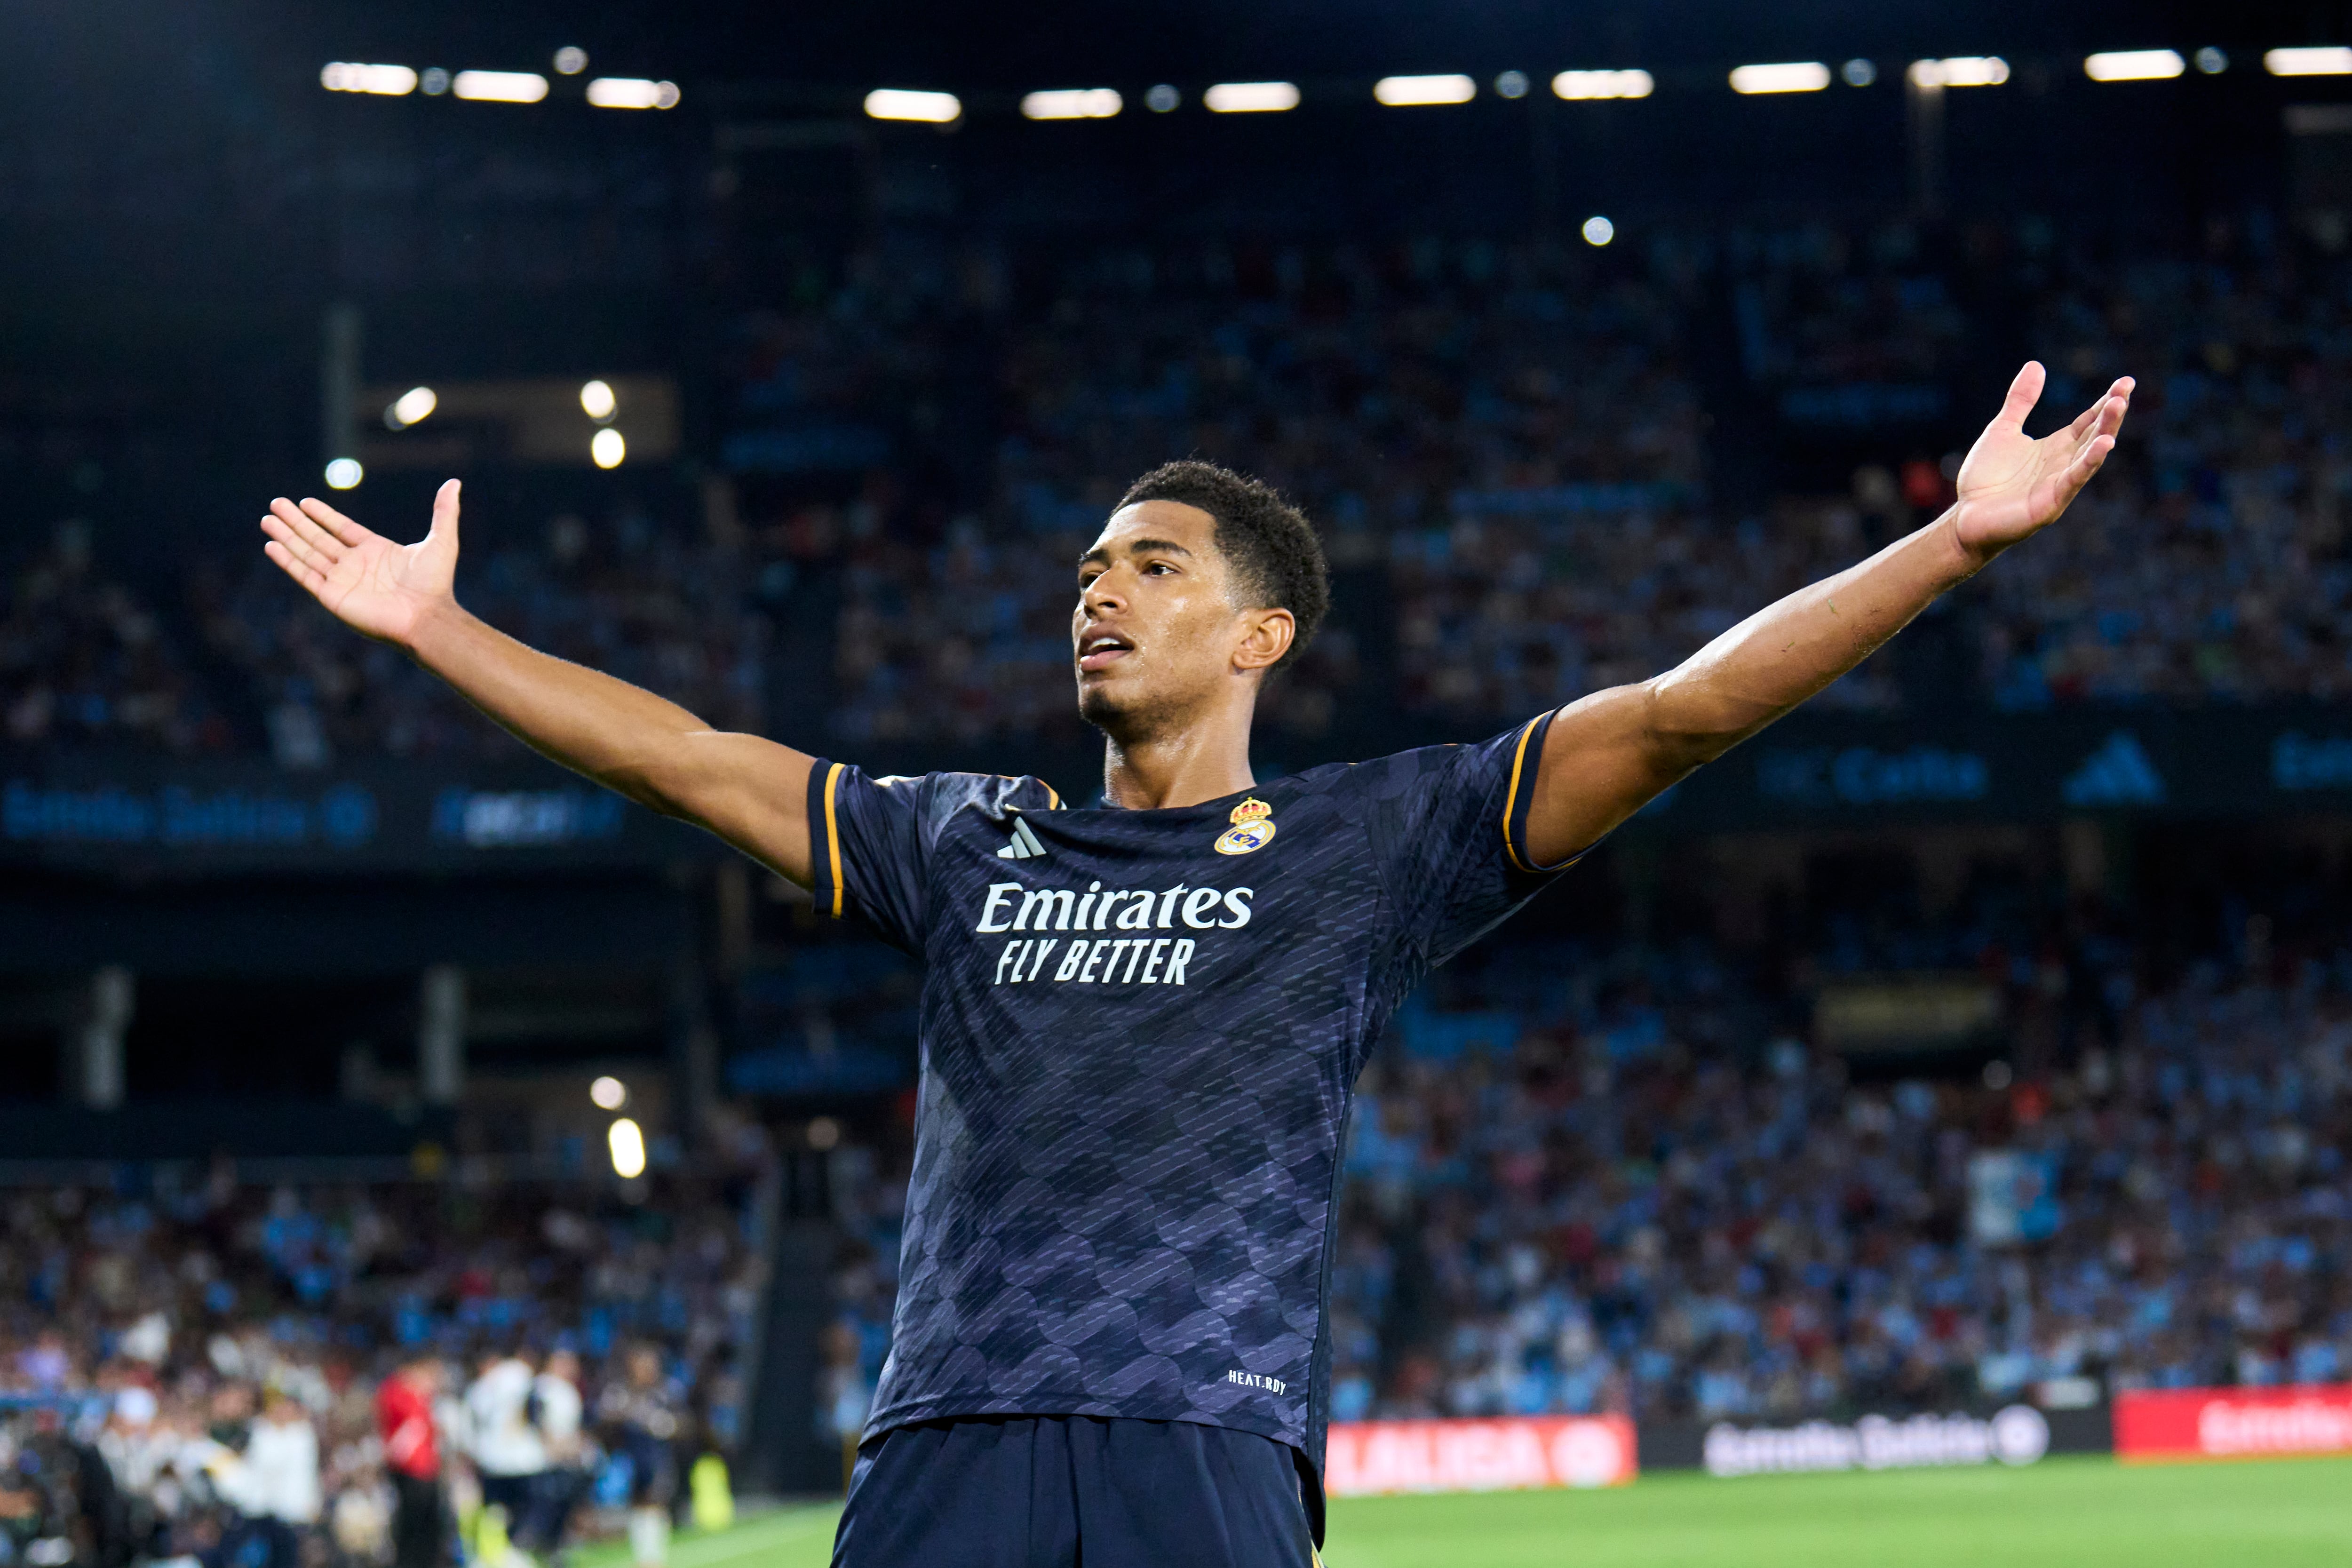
{"points": [[597, 400], [500, 87], [2134, 65], [905, 103], [607, 448], [1790, 76], [390, 81], [2308, 62], [1163, 99], [1859, 72], [2210, 60], [1072, 104], [1575, 86], [1511, 84], [1413, 91], [627, 1142], [1598, 230], [1251, 97], [609, 1093], [410, 407], [1962, 71], [344, 473], [632, 92], [570, 60]]}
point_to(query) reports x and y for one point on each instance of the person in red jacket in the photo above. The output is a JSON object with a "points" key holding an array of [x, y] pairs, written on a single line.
{"points": [[412, 1457]]}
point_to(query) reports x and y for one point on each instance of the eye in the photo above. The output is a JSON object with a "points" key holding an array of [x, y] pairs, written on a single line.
{"points": [[1160, 568]]}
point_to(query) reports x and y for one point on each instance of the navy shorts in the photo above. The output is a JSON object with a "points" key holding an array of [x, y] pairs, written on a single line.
{"points": [[1056, 1491]]}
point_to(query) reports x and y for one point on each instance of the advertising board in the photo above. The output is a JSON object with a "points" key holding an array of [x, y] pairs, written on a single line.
{"points": [[2233, 1423], [1368, 1459]]}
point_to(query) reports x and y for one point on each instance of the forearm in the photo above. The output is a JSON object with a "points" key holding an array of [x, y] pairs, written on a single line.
{"points": [[1785, 653], [615, 732]]}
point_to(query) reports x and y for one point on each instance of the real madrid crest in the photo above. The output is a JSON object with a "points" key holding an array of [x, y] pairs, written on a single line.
{"points": [[1252, 828]]}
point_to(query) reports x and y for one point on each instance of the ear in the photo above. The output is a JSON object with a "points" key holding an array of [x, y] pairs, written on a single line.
{"points": [[1266, 635]]}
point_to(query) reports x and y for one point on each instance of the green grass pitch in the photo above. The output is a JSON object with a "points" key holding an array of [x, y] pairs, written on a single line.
{"points": [[2063, 1513]]}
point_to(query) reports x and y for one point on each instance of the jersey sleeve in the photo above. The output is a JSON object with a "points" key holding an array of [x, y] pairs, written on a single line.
{"points": [[872, 839], [1449, 827]]}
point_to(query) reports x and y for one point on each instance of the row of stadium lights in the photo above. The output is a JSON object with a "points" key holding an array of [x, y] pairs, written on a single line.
{"points": [[498, 86], [1274, 97], [607, 448], [1414, 91]]}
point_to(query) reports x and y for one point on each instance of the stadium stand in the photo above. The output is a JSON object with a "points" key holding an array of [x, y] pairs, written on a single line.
{"points": [[1509, 440]]}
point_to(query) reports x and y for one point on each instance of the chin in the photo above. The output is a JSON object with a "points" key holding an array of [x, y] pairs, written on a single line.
{"points": [[1100, 708], [1124, 716]]}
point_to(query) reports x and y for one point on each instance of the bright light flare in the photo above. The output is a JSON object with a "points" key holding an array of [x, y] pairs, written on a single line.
{"points": [[632, 92], [390, 81], [1576, 85], [1411, 92], [570, 60], [627, 1142], [1793, 76], [1251, 97], [904, 103], [410, 407], [1962, 71], [1072, 104], [500, 87], [1598, 230], [344, 473], [609, 1093], [597, 400], [2134, 65], [2308, 62], [608, 448]]}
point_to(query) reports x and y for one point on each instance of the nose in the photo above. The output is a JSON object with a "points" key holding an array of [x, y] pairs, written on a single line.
{"points": [[1102, 594]]}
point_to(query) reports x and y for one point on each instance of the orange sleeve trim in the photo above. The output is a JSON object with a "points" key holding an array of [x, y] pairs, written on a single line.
{"points": [[1511, 796], [833, 834]]}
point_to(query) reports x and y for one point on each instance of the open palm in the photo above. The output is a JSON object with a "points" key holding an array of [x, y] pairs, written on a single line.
{"points": [[2013, 486], [366, 581]]}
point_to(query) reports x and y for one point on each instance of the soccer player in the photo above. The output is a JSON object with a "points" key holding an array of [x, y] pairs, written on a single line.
{"points": [[1142, 1019]]}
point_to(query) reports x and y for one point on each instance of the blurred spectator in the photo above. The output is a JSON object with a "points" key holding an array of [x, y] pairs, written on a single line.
{"points": [[640, 1415], [279, 1480], [556, 1411], [508, 1452], [412, 1452]]}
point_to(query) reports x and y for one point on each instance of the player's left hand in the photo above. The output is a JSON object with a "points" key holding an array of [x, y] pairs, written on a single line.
{"points": [[2013, 486]]}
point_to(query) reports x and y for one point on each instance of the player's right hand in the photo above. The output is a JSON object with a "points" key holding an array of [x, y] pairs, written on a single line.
{"points": [[372, 585]]}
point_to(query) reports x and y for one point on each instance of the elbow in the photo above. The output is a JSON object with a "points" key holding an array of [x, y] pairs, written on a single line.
{"points": [[1689, 724], [650, 779]]}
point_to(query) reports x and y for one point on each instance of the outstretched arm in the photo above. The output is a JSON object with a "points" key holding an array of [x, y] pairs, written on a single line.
{"points": [[1609, 753], [746, 789]]}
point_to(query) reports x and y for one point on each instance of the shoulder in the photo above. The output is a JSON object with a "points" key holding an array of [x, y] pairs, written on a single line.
{"points": [[1507, 759], [933, 797], [942, 795]]}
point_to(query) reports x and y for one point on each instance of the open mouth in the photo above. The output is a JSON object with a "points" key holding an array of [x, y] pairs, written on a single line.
{"points": [[1100, 651]]}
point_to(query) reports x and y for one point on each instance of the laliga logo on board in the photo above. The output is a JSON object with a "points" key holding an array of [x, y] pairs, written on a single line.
{"points": [[1252, 829]]}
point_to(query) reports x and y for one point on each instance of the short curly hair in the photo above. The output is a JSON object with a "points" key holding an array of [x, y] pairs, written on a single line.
{"points": [[1275, 555]]}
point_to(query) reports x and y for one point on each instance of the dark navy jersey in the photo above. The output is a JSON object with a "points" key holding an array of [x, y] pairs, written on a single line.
{"points": [[1140, 1033]]}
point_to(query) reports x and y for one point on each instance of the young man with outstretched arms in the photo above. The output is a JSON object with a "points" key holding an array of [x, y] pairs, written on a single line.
{"points": [[1142, 1020]]}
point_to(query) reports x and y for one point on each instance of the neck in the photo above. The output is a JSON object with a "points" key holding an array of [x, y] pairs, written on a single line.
{"points": [[1182, 765]]}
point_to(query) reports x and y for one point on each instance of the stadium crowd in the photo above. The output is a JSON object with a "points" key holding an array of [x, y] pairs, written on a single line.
{"points": [[233, 1376], [1514, 452]]}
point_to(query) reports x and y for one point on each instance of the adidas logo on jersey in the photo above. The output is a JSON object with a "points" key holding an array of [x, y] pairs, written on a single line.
{"points": [[1025, 844]]}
